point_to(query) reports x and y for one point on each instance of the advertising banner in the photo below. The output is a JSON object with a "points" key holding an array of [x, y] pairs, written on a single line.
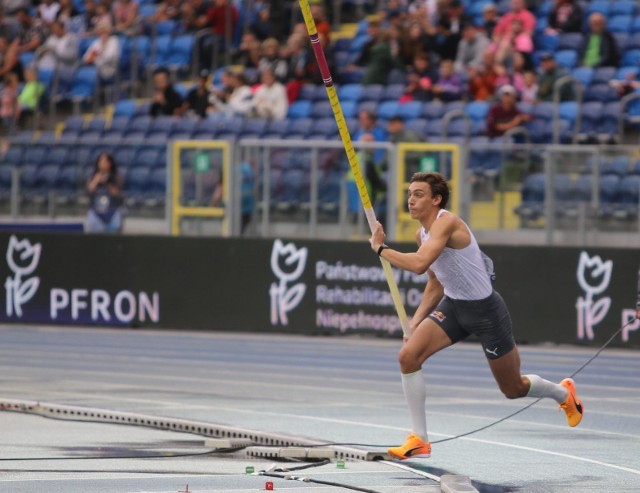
{"points": [[561, 295]]}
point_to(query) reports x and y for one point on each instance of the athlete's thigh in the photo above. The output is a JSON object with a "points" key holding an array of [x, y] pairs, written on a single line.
{"points": [[506, 369], [426, 340]]}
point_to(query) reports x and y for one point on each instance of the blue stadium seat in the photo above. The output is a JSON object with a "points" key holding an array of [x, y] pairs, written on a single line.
{"points": [[372, 92], [34, 155], [349, 109], [124, 157], [410, 110], [618, 166], [388, 109], [307, 92], [433, 110], [533, 194], [96, 124], [602, 6], [621, 39], [166, 28], [619, 24], [13, 156], [278, 127], [125, 108], [633, 42], [590, 119], [397, 76], [321, 109], [84, 84], [567, 58], [325, 127], [254, 126], [299, 109], [544, 111], [602, 93], [631, 58], [371, 106], [635, 28], [569, 41], [162, 124], [162, 49], [628, 197], [83, 45], [568, 110], [584, 75], [302, 126], [350, 92], [603, 75], [60, 156], [148, 157], [342, 44], [74, 123], [180, 53], [434, 128], [136, 185], [186, 125], [624, 7], [477, 110], [393, 92]]}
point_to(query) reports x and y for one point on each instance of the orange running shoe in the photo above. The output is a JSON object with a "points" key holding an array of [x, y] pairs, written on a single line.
{"points": [[572, 406], [414, 446]]}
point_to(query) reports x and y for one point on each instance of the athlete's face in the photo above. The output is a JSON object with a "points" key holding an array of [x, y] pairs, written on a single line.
{"points": [[420, 199]]}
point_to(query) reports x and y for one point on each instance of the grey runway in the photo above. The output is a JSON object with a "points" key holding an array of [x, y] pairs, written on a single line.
{"points": [[330, 389]]}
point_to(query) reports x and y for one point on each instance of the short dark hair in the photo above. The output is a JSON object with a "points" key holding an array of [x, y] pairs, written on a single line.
{"points": [[438, 184]]}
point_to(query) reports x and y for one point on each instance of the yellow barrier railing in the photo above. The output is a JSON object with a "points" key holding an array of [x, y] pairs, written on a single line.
{"points": [[178, 209]]}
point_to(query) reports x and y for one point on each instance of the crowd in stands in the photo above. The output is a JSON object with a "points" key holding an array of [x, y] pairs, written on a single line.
{"points": [[445, 51]]}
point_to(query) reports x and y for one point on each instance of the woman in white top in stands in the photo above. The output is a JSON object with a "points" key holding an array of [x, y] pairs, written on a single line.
{"points": [[104, 53], [270, 100]]}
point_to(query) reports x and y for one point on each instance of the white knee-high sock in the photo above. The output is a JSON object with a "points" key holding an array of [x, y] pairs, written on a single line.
{"points": [[415, 393], [544, 388]]}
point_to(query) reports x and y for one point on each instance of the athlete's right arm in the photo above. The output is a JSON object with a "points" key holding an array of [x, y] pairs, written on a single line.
{"points": [[433, 293]]}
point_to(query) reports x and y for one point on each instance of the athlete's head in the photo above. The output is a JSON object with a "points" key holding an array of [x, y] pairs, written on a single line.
{"points": [[437, 185]]}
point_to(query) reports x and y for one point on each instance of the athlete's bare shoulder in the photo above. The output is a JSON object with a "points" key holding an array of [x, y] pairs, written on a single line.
{"points": [[419, 236]]}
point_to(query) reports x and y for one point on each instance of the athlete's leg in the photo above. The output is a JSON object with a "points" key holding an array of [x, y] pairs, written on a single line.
{"points": [[427, 339], [506, 371]]}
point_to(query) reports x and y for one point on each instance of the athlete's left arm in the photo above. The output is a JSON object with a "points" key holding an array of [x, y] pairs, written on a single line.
{"points": [[420, 261]]}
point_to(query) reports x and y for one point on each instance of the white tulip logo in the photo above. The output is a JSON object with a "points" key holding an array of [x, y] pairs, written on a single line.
{"points": [[22, 259], [284, 298], [594, 276]]}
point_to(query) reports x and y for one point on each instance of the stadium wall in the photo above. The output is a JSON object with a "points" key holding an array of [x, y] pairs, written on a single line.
{"points": [[559, 295]]}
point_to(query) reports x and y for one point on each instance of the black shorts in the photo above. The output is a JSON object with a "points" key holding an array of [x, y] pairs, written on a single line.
{"points": [[488, 319]]}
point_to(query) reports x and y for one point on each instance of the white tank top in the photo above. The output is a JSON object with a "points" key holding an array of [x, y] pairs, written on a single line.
{"points": [[462, 272]]}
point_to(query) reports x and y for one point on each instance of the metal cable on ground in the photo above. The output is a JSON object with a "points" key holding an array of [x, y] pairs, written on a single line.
{"points": [[305, 479]]}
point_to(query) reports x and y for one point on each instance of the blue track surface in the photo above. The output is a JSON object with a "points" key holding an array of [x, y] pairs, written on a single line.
{"points": [[342, 390]]}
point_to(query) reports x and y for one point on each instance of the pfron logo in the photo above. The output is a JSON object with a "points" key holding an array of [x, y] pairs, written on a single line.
{"points": [[288, 264], [594, 276], [22, 259]]}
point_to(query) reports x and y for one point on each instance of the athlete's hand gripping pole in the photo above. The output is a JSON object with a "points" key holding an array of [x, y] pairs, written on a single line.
{"points": [[351, 155]]}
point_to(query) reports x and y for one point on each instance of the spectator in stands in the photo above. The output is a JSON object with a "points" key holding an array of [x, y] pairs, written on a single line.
{"points": [[396, 132], [248, 54], [194, 15], [484, 80], [10, 60], [450, 27], [101, 17], [60, 52], [70, 17], [420, 80], [217, 17], [9, 103], [297, 62], [471, 49], [236, 97], [166, 100], [47, 12], [625, 86], [521, 63], [415, 40], [489, 19], [565, 17], [599, 47], [89, 17], [638, 298], [270, 99], [31, 35], [6, 27], [270, 58], [529, 89], [198, 98], [449, 86], [516, 40], [30, 95], [376, 55], [168, 10], [322, 24], [105, 197], [504, 114], [425, 12], [11, 7], [104, 53], [550, 73], [519, 12], [372, 132], [261, 24], [125, 16]]}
